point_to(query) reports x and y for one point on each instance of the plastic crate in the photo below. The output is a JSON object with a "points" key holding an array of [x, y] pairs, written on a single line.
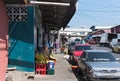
{"points": [[41, 69]]}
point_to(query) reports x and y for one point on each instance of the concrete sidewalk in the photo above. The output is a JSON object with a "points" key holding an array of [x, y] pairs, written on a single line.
{"points": [[63, 72]]}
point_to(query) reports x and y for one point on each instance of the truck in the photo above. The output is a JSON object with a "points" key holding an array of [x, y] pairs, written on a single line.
{"points": [[106, 38], [114, 41]]}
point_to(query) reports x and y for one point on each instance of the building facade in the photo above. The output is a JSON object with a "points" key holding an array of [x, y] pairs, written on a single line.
{"points": [[115, 29]]}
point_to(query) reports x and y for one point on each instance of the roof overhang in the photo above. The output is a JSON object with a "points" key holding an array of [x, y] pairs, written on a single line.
{"points": [[16, 1], [56, 14]]}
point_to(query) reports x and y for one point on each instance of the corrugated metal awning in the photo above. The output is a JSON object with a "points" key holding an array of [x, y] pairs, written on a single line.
{"points": [[56, 17]]}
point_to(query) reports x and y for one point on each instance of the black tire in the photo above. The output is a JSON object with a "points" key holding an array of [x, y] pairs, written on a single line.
{"points": [[85, 77], [89, 76]]}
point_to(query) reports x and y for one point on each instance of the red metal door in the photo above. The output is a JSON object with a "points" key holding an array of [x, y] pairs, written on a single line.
{"points": [[3, 41]]}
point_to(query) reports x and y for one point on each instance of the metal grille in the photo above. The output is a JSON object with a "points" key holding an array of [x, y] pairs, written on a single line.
{"points": [[17, 12], [109, 71]]}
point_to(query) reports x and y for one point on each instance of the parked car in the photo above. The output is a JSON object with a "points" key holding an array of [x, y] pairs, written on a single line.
{"points": [[71, 47], [114, 41], [78, 50], [116, 48], [77, 40], [99, 64]]}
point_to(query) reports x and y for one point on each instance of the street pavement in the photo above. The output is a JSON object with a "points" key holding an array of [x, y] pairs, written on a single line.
{"points": [[117, 55]]}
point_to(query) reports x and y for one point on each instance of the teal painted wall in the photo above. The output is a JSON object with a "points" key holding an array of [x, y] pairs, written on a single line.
{"points": [[21, 41]]}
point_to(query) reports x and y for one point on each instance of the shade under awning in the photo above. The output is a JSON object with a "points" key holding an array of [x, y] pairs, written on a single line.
{"points": [[57, 16], [16, 1]]}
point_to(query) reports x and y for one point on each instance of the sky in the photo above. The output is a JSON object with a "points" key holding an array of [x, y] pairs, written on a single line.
{"points": [[96, 13]]}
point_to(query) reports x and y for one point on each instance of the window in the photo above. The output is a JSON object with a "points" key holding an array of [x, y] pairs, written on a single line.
{"points": [[78, 48], [100, 56], [17, 12]]}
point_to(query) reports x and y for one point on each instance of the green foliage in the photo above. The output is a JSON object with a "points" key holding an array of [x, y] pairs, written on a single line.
{"points": [[41, 58]]}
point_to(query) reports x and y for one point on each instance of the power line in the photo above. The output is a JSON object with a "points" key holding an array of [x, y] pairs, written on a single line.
{"points": [[99, 5], [100, 11], [96, 20]]}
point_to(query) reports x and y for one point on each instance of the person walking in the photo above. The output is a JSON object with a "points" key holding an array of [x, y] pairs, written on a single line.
{"points": [[56, 46], [51, 47]]}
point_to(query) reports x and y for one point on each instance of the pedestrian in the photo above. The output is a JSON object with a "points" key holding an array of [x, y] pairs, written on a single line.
{"points": [[51, 47], [55, 48], [56, 44]]}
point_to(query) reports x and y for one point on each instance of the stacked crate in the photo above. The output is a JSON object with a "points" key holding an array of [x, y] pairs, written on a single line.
{"points": [[41, 69]]}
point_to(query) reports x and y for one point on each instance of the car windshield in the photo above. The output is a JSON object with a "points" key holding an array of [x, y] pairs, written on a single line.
{"points": [[100, 57], [78, 48], [72, 43], [77, 39]]}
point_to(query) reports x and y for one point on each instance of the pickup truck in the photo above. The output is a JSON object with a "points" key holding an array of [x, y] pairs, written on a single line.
{"points": [[106, 38]]}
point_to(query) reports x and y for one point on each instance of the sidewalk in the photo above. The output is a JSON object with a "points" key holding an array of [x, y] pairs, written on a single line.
{"points": [[63, 72]]}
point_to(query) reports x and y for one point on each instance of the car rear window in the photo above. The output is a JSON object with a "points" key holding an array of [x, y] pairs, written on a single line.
{"points": [[77, 48], [77, 39], [100, 57]]}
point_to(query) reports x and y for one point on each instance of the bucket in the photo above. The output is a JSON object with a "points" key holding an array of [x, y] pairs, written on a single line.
{"points": [[50, 72], [74, 67], [51, 64]]}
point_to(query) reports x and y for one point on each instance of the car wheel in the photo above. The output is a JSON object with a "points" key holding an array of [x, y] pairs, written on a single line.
{"points": [[89, 76], [85, 76]]}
